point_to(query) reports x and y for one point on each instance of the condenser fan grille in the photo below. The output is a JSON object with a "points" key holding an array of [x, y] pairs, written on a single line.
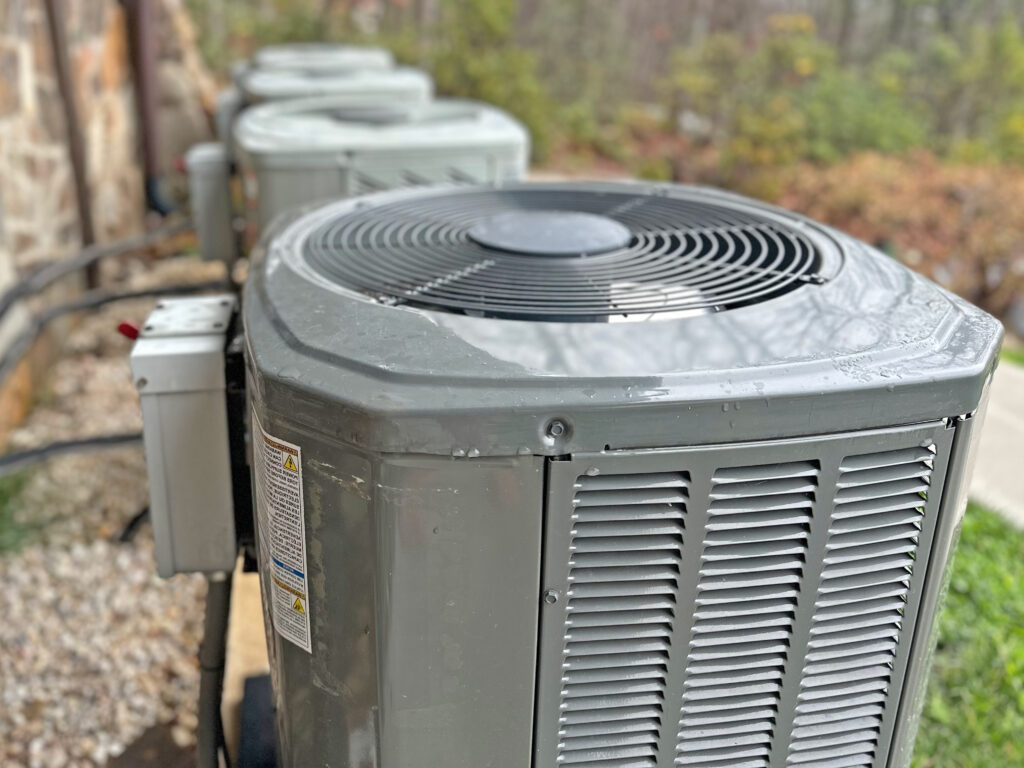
{"points": [[564, 254]]}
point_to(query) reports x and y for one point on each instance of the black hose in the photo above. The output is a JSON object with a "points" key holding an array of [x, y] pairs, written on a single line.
{"points": [[212, 652], [15, 462], [51, 273], [21, 343], [133, 525]]}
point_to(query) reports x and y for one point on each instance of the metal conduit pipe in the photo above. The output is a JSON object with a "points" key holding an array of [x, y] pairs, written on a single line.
{"points": [[143, 48], [76, 147], [212, 653]]}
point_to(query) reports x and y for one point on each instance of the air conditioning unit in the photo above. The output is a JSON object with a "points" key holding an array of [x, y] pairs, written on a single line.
{"points": [[368, 86], [322, 57], [296, 152], [302, 60], [602, 475], [404, 84]]}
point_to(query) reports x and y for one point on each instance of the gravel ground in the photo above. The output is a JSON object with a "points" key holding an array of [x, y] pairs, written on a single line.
{"points": [[94, 647]]}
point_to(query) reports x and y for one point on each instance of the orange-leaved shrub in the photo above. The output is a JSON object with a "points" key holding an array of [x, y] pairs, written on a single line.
{"points": [[962, 225]]}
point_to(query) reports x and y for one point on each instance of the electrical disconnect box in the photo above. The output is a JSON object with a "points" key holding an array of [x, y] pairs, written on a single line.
{"points": [[178, 364]]}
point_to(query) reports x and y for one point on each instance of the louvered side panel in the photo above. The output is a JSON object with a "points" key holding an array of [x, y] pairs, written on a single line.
{"points": [[365, 184], [776, 633], [627, 535], [755, 546], [858, 619]]}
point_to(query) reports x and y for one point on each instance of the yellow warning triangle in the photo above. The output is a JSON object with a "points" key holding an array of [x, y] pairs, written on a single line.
{"points": [[289, 463], [297, 605]]}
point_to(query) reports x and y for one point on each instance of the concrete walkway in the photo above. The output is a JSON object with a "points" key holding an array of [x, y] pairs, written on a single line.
{"points": [[998, 481]]}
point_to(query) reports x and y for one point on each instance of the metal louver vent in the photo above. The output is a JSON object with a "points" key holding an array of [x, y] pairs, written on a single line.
{"points": [[626, 540], [462, 176], [365, 184], [774, 633], [569, 254], [869, 559], [752, 565]]}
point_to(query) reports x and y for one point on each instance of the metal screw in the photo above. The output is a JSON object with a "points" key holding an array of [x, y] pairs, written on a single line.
{"points": [[556, 428], [551, 596]]}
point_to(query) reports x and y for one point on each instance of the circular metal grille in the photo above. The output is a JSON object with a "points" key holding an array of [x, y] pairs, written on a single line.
{"points": [[683, 256]]}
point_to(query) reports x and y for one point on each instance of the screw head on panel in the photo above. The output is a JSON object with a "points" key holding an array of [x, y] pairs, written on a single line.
{"points": [[556, 429]]}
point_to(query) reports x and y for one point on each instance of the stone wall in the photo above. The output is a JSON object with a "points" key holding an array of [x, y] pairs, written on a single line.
{"points": [[38, 214], [38, 206]]}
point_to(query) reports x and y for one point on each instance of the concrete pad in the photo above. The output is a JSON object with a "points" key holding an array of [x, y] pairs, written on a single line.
{"points": [[998, 481]]}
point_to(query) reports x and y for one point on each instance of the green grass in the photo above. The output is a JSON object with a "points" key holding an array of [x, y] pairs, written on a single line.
{"points": [[1013, 355], [11, 534], [974, 715]]}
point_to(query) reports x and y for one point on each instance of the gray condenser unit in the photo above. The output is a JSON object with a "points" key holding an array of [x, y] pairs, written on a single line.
{"points": [[302, 69], [403, 84], [292, 153], [322, 57], [354, 77], [603, 475]]}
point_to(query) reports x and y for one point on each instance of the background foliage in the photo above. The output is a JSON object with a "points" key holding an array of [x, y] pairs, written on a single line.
{"points": [[851, 110]]}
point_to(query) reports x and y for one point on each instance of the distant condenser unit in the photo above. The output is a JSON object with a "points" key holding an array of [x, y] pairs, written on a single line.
{"points": [[294, 153], [602, 475], [401, 85], [322, 57], [303, 69]]}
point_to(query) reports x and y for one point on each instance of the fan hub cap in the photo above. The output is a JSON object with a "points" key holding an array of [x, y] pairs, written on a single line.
{"points": [[550, 233]]}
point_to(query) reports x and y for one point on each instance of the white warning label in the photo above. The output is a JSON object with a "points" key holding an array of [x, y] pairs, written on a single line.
{"points": [[282, 532]]}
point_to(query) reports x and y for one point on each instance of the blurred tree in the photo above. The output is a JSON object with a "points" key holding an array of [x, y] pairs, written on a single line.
{"points": [[475, 55], [739, 93], [844, 113], [704, 81]]}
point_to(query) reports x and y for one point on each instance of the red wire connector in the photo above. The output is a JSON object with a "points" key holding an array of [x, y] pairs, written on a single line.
{"points": [[128, 329]]}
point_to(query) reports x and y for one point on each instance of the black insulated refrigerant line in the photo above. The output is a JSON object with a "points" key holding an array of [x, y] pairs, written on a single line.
{"points": [[86, 259], [22, 343]]}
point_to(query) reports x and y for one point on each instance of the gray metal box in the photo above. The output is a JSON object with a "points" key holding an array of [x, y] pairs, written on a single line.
{"points": [[209, 182], [178, 365], [605, 475]]}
